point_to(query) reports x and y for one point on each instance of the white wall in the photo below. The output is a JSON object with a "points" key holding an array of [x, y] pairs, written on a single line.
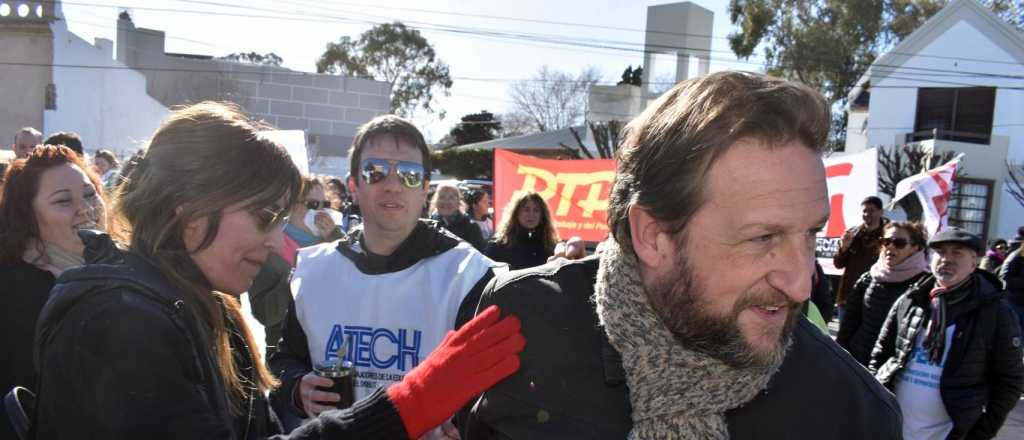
{"points": [[894, 100], [107, 106]]}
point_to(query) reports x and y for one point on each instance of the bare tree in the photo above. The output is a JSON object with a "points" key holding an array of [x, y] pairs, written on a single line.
{"points": [[1015, 184], [553, 100], [516, 124], [607, 136], [902, 161]]}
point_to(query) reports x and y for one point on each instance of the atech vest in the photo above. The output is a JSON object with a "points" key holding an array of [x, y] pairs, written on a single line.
{"points": [[390, 321]]}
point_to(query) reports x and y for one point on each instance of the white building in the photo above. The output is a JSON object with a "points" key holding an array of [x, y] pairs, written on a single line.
{"points": [[954, 84], [677, 37], [53, 80]]}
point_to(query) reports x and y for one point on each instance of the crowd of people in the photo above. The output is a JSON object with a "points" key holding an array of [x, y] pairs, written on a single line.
{"points": [[123, 281]]}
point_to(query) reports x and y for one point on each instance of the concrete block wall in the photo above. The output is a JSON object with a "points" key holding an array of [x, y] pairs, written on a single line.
{"points": [[329, 108]]}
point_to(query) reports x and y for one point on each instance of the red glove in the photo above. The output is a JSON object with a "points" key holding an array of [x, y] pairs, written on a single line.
{"points": [[466, 363]]}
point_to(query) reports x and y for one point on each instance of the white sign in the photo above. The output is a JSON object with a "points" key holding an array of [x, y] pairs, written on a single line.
{"points": [[850, 179], [295, 142]]}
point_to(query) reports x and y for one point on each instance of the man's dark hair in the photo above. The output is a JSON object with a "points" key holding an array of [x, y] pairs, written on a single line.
{"points": [[388, 125], [68, 139], [872, 200], [669, 149]]}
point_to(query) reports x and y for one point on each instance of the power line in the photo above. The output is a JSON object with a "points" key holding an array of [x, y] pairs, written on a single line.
{"points": [[509, 35], [709, 36]]}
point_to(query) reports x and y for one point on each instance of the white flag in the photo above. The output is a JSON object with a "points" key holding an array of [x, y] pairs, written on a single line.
{"points": [[933, 188]]}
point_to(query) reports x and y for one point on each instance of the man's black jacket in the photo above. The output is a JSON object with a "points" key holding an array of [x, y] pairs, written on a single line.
{"points": [[983, 375], [572, 385]]}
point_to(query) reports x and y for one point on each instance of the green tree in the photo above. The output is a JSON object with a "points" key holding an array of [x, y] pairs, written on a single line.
{"points": [[397, 55], [474, 127], [465, 163], [269, 59], [829, 44]]}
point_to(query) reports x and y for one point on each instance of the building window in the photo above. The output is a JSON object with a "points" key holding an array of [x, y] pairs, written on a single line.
{"points": [[51, 97], [970, 205], [956, 114]]}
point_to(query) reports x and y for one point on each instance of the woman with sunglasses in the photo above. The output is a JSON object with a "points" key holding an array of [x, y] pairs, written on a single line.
{"points": [[148, 342], [298, 232], [901, 263], [269, 295]]}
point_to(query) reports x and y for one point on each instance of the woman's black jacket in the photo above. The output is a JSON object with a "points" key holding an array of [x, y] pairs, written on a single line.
{"points": [[867, 305], [528, 251], [123, 355], [463, 227]]}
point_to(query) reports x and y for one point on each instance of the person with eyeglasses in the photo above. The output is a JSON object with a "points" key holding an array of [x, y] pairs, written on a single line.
{"points": [[146, 341], [299, 231], [386, 295], [901, 263], [307, 224], [950, 348]]}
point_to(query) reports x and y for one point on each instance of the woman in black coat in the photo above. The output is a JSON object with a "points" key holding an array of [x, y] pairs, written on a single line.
{"points": [[526, 236], [446, 209], [148, 341], [901, 264], [47, 198]]}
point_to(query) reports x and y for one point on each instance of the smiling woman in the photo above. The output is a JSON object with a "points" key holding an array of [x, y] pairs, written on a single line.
{"points": [[151, 339], [47, 198]]}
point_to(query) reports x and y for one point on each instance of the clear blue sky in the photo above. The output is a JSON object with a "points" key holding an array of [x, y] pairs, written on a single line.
{"points": [[481, 65]]}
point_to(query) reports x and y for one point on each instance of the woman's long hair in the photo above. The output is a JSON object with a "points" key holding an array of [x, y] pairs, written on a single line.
{"points": [[202, 159], [509, 230], [18, 223]]}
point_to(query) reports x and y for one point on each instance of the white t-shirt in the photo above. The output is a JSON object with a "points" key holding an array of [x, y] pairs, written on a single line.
{"points": [[391, 321], [917, 391]]}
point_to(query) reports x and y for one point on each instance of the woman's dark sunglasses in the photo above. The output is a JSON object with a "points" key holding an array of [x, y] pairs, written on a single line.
{"points": [[376, 170], [269, 219], [317, 204], [898, 243]]}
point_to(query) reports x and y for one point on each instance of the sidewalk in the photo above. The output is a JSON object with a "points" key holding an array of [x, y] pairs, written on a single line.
{"points": [[1013, 429]]}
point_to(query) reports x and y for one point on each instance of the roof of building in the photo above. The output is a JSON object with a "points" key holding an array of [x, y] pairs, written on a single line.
{"points": [[547, 140], [1004, 34]]}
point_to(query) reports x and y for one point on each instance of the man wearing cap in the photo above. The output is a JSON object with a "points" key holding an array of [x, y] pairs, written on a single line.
{"points": [[950, 348]]}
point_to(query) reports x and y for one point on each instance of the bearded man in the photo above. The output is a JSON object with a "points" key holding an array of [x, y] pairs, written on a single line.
{"points": [[686, 324]]}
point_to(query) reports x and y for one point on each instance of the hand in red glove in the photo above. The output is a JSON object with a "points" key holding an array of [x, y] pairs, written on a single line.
{"points": [[483, 352]]}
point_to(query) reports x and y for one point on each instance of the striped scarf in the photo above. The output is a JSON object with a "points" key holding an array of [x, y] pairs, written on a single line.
{"points": [[940, 298]]}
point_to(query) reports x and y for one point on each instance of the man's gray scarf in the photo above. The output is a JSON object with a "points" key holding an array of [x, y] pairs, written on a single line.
{"points": [[676, 393]]}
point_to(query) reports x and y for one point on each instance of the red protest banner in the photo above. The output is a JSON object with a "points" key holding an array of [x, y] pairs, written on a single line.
{"points": [[576, 191]]}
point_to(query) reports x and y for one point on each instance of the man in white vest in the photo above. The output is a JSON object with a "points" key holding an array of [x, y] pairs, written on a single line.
{"points": [[390, 291]]}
